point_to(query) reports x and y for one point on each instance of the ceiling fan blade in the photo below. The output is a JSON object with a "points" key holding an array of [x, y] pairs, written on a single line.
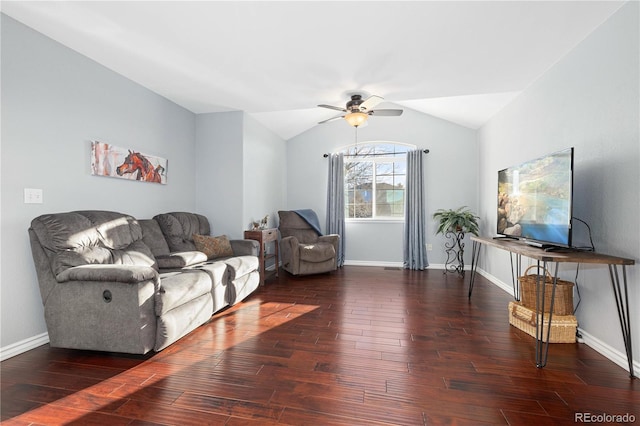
{"points": [[371, 102], [337, 117], [386, 112], [333, 107]]}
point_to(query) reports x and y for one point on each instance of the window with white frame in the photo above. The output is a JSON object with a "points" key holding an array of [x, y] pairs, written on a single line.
{"points": [[375, 181]]}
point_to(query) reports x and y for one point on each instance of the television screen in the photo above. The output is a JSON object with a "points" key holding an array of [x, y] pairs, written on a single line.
{"points": [[535, 200]]}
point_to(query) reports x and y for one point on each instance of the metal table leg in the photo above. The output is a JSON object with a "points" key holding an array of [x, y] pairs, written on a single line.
{"points": [[475, 255], [542, 347], [622, 303], [515, 271]]}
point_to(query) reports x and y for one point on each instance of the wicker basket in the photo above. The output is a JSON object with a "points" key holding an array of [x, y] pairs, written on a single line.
{"points": [[563, 304], [563, 327]]}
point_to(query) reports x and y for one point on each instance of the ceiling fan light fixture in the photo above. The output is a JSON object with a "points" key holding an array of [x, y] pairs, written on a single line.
{"points": [[356, 119]]}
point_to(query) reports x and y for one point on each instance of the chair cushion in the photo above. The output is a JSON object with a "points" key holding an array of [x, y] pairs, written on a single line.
{"points": [[292, 225], [91, 237], [318, 252], [136, 253], [116, 230], [179, 227], [64, 231], [213, 247], [181, 259], [153, 237], [179, 288]]}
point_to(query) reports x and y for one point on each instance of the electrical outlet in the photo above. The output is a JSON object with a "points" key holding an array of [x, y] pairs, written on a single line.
{"points": [[32, 196], [429, 247]]}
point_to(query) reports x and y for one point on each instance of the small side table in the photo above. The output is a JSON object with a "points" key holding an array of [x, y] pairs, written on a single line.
{"points": [[264, 236]]}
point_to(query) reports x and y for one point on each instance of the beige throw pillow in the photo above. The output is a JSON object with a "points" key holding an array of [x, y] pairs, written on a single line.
{"points": [[213, 247]]}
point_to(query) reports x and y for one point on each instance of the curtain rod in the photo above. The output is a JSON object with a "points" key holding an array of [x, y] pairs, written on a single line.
{"points": [[426, 151]]}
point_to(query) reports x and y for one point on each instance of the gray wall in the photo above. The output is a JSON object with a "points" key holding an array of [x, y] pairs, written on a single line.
{"points": [[240, 168], [589, 100], [54, 102], [450, 177], [265, 173], [219, 171]]}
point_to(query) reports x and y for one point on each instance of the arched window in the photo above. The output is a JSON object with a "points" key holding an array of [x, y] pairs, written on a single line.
{"points": [[375, 180]]}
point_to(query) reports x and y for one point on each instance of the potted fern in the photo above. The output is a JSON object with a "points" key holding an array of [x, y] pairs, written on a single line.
{"points": [[458, 220], [453, 224]]}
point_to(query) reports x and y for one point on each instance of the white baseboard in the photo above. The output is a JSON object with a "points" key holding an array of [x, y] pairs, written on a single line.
{"points": [[23, 346], [393, 264], [609, 352], [597, 345], [373, 263], [504, 286]]}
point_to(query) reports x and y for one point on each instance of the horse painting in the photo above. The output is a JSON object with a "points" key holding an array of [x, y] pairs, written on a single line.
{"points": [[133, 165], [138, 163]]}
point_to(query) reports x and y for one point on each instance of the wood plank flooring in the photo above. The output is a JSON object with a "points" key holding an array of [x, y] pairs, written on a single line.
{"points": [[360, 346]]}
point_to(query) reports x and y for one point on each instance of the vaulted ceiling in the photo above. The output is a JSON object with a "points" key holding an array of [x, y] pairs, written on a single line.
{"points": [[276, 60]]}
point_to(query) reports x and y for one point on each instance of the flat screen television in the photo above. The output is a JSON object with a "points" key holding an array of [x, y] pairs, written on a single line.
{"points": [[535, 200]]}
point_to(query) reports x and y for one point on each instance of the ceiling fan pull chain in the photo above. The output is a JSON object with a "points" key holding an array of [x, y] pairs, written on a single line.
{"points": [[356, 130]]}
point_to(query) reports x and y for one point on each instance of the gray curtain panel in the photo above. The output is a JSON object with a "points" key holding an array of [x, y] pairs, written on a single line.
{"points": [[415, 252], [335, 202]]}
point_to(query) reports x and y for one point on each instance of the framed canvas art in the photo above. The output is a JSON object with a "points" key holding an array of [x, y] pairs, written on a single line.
{"points": [[113, 161]]}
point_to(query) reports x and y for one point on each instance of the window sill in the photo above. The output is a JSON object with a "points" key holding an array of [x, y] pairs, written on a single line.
{"points": [[376, 221]]}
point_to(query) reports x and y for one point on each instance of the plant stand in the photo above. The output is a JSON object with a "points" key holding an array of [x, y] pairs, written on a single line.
{"points": [[455, 252]]}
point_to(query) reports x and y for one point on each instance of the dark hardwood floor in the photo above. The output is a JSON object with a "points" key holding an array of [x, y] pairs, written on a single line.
{"points": [[361, 346]]}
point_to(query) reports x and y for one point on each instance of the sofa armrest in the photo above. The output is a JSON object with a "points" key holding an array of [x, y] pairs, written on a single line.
{"points": [[239, 266], [132, 274], [245, 247]]}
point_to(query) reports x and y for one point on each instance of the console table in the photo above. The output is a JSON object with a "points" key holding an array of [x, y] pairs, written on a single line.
{"points": [[265, 236], [617, 272]]}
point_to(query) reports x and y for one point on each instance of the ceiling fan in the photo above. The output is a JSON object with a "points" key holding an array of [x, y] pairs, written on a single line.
{"points": [[358, 110]]}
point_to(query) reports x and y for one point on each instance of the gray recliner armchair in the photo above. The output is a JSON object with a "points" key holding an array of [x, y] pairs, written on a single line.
{"points": [[302, 249]]}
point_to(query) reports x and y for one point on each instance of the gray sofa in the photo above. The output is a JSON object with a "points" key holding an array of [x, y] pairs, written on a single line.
{"points": [[110, 282]]}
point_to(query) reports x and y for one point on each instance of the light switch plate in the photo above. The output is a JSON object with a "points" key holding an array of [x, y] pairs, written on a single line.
{"points": [[32, 196]]}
